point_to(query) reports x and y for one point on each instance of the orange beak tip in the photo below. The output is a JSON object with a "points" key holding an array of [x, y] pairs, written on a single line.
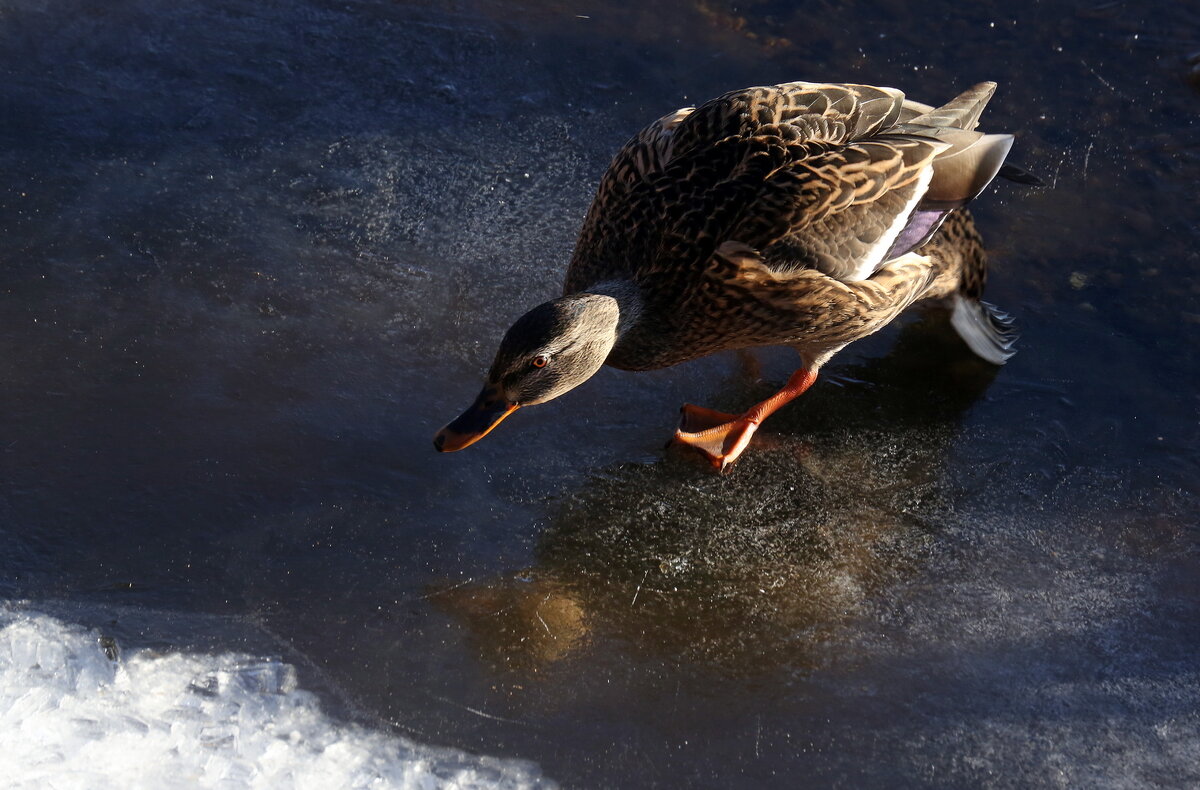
{"points": [[473, 424]]}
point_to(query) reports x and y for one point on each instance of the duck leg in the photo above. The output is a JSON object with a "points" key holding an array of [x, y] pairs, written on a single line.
{"points": [[722, 437]]}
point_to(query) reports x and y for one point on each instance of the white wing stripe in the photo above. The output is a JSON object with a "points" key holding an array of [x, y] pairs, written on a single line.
{"points": [[874, 257]]}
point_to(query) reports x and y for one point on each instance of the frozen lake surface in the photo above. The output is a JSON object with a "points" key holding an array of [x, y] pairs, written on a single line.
{"points": [[255, 254]]}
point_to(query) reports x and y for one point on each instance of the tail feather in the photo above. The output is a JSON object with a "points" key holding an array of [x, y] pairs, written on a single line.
{"points": [[960, 173], [986, 330], [1019, 176], [962, 112], [965, 170], [971, 159]]}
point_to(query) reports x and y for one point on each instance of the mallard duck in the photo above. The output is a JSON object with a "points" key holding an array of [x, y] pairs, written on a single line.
{"points": [[807, 215]]}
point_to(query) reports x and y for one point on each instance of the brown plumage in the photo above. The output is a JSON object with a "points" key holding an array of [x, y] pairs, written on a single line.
{"points": [[799, 214], [761, 209]]}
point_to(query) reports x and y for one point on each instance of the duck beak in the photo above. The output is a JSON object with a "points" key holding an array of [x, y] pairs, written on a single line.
{"points": [[475, 423]]}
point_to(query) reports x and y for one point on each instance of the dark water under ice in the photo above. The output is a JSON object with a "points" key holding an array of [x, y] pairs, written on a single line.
{"points": [[253, 254]]}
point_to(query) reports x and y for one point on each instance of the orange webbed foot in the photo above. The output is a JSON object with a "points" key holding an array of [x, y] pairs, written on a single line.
{"points": [[718, 436], [693, 419], [722, 437]]}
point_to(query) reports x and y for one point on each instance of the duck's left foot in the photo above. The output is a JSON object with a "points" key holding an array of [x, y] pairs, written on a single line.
{"points": [[722, 437], [718, 436]]}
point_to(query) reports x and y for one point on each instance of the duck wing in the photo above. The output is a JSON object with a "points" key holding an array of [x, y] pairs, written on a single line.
{"points": [[868, 199], [838, 178]]}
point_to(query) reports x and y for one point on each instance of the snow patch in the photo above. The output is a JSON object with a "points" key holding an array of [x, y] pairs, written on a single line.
{"points": [[76, 714]]}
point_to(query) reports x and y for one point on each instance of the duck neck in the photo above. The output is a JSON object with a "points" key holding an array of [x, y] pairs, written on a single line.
{"points": [[629, 302]]}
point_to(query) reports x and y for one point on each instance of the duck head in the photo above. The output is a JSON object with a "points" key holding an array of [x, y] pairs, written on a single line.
{"points": [[553, 348]]}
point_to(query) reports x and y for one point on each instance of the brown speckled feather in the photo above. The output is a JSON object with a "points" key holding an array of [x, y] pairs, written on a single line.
{"points": [[763, 166], [772, 215]]}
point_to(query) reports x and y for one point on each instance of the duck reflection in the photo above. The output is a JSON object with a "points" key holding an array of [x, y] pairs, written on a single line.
{"points": [[756, 569]]}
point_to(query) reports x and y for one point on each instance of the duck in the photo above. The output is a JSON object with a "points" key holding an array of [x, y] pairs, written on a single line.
{"points": [[802, 214]]}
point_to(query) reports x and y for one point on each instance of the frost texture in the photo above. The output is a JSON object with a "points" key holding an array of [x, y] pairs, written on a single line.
{"points": [[72, 717]]}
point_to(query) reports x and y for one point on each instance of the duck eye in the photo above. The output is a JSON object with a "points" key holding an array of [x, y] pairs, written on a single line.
{"points": [[540, 361]]}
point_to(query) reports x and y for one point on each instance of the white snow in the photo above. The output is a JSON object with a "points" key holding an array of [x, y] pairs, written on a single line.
{"points": [[72, 718]]}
